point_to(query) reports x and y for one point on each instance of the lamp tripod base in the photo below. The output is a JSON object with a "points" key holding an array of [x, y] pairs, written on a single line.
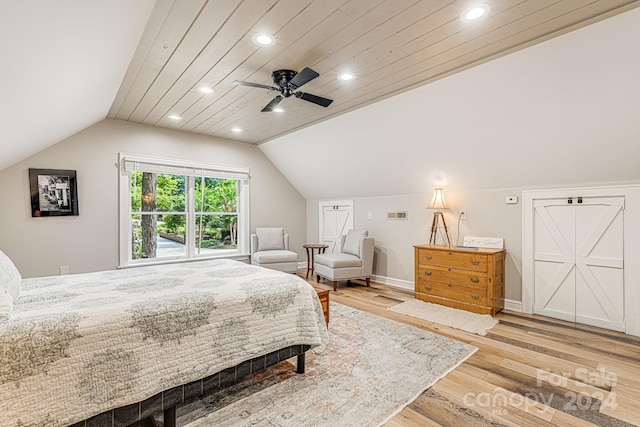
{"points": [[437, 217]]}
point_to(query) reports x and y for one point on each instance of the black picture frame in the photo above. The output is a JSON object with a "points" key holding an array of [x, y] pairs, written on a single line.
{"points": [[54, 192]]}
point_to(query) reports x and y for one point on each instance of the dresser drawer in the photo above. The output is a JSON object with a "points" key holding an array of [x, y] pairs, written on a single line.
{"points": [[458, 277], [454, 292], [464, 260]]}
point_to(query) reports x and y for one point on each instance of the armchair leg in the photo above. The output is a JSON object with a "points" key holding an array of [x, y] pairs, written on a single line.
{"points": [[368, 280], [335, 285], [317, 278]]}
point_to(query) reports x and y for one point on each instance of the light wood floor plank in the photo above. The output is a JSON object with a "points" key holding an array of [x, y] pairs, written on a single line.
{"points": [[547, 372], [410, 418]]}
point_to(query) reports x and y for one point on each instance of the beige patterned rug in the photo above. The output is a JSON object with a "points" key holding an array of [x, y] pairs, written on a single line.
{"points": [[372, 368], [467, 321]]}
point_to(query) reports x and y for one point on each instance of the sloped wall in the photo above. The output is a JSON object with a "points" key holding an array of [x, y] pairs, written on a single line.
{"points": [[89, 242]]}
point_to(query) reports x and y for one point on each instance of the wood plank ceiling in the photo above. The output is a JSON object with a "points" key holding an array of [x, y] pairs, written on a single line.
{"points": [[390, 45]]}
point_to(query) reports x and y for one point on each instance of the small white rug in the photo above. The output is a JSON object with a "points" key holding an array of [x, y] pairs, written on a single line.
{"points": [[460, 319]]}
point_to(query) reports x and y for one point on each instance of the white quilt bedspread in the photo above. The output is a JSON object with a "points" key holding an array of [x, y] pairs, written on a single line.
{"points": [[79, 345]]}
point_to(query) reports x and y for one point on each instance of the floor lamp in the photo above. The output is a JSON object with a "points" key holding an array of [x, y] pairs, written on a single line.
{"points": [[438, 202]]}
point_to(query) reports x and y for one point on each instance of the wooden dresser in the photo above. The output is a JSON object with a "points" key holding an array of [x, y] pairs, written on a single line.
{"points": [[468, 279]]}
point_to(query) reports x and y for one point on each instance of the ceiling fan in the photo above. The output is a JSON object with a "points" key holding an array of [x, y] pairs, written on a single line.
{"points": [[287, 82]]}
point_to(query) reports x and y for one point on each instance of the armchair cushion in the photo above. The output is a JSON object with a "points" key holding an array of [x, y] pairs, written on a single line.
{"points": [[274, 256], [338, 260], [270, 238], [352, 242]]}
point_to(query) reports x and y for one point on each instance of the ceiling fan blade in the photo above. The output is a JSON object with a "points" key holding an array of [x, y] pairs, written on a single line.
{"points": [[303, 77], [239, 83], [270, 106], [325, 102]]}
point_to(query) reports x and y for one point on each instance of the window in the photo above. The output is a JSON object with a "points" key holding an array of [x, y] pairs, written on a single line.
{"points": [[172, 210]]}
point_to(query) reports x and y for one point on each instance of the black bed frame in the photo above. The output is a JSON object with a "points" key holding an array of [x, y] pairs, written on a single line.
{"points": [[166, 402]]}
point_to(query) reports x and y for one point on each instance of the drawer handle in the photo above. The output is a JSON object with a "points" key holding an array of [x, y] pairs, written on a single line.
{"points": [[428, 257], [475, 262], [427, 272], [475, 279], [449, 285], [474, 296], [427, 287]]}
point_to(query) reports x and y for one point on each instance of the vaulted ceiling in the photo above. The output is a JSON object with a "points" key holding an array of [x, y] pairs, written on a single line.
{"points": [[69, 64], [390, 45]]}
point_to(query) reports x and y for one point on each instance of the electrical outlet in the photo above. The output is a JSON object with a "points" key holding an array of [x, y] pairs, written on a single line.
{"points": [[64, 270], [463, 214]]}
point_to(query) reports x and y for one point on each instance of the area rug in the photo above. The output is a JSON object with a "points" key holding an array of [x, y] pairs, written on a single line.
{"points": [[370, 370], [460, 319]]}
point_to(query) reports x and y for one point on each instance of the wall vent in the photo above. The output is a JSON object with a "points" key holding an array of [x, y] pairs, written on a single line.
{"points": [[397, 215]]}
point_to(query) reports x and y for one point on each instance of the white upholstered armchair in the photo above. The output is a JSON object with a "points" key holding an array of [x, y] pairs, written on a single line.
{"points": [[270, 249], [355, 261]]}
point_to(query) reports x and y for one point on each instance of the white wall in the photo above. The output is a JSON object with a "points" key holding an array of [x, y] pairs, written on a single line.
{"points": [[488, 216], [68, 59], [89, 242]]}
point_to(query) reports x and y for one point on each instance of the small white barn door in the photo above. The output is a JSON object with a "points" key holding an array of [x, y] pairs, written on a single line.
{"points": [[336, 219], [578, 260]]}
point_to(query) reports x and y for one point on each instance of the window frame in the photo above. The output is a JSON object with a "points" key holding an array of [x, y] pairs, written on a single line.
{"points": [[191, 170]]}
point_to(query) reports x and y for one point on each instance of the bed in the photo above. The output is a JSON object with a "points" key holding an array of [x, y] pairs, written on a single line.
{"points": [[76, 347]]}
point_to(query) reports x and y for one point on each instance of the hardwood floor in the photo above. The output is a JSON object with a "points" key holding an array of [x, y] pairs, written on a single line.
{"points": [[528, 370]]}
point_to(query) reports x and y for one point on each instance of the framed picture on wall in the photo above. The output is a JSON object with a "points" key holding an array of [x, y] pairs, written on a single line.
{"points": [[53, 192]]}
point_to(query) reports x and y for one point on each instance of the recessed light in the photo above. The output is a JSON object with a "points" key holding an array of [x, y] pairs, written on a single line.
{"points": [[174, 117], [263, 39], [236, 130], [346, 76], [279, 110], [474, 13], [205, 89]]}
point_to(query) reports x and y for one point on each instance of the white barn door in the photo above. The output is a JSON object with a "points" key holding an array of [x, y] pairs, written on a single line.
{"points": [[336, 219], [578, 255]]}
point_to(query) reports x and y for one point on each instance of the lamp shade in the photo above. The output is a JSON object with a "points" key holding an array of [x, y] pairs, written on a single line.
{"points": [[437, 201]]}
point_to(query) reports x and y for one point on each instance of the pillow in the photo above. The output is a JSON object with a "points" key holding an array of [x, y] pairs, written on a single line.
{"points": [[270, 238], [9, 277], [6, 306], [352, 242]]}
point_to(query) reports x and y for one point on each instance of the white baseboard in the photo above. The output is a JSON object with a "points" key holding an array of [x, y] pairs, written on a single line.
{"points": [[398, 283], [408, 285], [404, 284], [513, 305]]}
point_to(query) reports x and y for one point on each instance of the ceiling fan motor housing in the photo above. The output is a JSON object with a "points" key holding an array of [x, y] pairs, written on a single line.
{"points": [[281, 79]]}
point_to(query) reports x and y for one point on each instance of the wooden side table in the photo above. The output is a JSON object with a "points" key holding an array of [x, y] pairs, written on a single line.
{"points": [[310, 247], [323, 295]]}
